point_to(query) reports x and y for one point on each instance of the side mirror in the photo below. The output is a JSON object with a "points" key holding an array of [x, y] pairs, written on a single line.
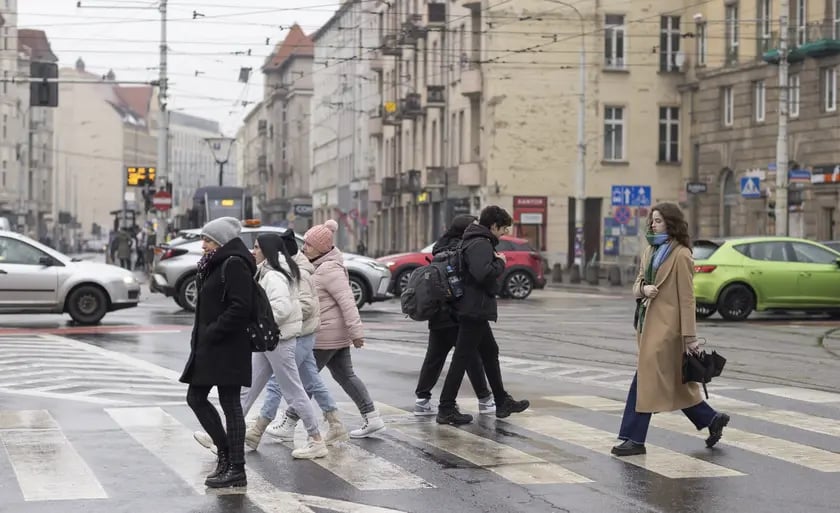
{"points": [[46, 261]]}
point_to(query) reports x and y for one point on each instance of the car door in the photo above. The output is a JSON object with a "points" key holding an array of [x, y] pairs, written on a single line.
{"points": [[818, 274], [24, 281], [772, 272]]}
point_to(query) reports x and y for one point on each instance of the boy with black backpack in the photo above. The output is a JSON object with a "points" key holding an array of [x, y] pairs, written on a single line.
{"points": [[481, 269]]}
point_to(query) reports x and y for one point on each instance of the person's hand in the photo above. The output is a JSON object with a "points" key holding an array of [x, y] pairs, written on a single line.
{"points": [[501, 257], [650, 291], [358, 342], [692, 345]]}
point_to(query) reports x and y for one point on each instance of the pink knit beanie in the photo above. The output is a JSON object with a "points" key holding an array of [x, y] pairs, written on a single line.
{"points": [[322, 236]]}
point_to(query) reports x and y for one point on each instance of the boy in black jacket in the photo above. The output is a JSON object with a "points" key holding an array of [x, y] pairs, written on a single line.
{"points": [[483, 267]]}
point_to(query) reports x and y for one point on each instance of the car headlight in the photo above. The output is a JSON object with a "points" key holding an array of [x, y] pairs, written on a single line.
{"points": [[130, 280], [377, 266]]}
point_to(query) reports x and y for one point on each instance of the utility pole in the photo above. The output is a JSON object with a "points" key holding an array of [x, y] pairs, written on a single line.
{"points": [[782, 142], [163, 118]]}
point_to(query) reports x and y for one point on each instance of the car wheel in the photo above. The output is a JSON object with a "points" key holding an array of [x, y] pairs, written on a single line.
{"points": [[401, 281], [188, 294], [736, 302], [518, 285], [705, 311], [87, 304], [359, 288]]}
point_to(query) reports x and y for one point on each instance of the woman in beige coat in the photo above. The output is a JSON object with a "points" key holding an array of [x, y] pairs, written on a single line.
{"points": [[666, 330]]}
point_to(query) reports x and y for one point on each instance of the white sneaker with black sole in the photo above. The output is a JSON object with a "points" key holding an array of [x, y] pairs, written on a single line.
{"points": [[424, 408], [487, 406]]}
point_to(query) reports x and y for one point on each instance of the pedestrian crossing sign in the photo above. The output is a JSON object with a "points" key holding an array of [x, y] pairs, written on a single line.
{"points": [[750, 187]]}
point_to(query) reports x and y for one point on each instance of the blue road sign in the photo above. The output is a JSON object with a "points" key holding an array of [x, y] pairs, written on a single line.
{"points": [[622, 214], [799, 176], [630, 195], [750, 187]]}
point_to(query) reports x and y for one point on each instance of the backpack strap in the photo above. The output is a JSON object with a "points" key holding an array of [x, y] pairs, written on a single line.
{"points": [[224, 272]]}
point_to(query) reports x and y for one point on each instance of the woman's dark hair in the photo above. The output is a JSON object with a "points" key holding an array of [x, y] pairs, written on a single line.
{"points": [[459, 225], [272, 246], [675, 222]]}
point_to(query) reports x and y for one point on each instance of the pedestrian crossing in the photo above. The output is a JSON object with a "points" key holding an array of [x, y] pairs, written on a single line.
{"points": [[561, 441]]}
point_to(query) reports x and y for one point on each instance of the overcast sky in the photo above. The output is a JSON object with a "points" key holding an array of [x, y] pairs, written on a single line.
{"points": [[111, 36]]}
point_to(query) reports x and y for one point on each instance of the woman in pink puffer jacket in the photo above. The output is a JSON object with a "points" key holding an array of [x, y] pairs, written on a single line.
{"points": [[341, 325]]}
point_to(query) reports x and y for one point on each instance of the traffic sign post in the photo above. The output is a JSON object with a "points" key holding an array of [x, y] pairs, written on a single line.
{"points": [[751, 187], [631, 195], [162, 201]]}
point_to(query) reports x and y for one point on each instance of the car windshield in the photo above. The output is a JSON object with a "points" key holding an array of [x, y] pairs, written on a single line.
{"points": [[704, 249]]}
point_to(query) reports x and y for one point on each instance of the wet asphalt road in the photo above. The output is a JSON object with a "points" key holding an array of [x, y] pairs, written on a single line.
{"points": [[93, 420]]}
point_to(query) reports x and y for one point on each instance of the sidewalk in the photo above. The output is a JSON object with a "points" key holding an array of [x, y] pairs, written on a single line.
{"points": [[609, 290]]}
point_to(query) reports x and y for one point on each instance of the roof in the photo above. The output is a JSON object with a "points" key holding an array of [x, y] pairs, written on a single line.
{"points": [[36, 45], [137, 99], [296, 44]]}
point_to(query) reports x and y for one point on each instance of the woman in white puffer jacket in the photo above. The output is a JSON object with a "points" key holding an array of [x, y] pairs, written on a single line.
{"points": [[279, 276]]}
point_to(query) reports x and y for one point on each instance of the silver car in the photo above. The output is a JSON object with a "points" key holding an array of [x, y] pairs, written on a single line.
{"points": [[175, 266], [37, 279]]}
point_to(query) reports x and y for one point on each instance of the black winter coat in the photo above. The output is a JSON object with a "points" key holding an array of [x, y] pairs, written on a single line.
{"points": [[220, 349], [481, 276], [447, 318]]}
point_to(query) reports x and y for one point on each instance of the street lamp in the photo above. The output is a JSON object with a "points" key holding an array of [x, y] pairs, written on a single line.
{"points": [[220, 146], [580, 190]]}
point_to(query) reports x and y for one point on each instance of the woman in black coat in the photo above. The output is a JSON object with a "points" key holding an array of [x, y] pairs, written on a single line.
{"points": [[220, 352]]}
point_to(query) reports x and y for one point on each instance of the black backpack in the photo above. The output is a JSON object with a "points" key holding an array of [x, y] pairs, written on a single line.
{"points": [[263, 332], [433, 287]]}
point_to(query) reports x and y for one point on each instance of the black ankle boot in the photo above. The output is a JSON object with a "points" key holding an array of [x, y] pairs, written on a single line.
{"points": [[222, 464], [511, 405], [233, 475], [629, 448]]}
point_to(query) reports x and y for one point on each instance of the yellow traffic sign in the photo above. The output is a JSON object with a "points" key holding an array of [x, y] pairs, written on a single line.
{"points": [[140, 176]]}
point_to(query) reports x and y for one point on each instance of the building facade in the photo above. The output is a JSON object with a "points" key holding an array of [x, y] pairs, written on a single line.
{"points": [[100, 130], [344, 93], [480, 104], [12, 126], [734, 97], [285, 163]]}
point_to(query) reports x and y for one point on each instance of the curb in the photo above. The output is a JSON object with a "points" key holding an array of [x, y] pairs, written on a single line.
{"points": [[592, 289]]}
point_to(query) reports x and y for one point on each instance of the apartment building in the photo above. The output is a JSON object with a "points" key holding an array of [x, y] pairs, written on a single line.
{"points": [[251, 154], [100, 130], [13, 102], [283, 194], [734, 97], [480, 104], [36, 153], [344, 93]]}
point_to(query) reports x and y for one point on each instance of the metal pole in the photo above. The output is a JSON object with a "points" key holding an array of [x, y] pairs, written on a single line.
{"points": [[580, 192], [221, 173], [782, 142], [163, 119]]}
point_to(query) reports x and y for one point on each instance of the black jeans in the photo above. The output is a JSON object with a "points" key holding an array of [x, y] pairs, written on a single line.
{"points": [[208, 417], [473, 337], [441, 341]]}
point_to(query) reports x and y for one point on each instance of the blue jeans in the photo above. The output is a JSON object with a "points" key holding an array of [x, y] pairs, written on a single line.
{"points": [[634, 425], [309, 376]]}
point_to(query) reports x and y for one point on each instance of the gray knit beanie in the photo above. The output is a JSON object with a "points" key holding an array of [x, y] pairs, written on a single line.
{"points": [[222, 230]]}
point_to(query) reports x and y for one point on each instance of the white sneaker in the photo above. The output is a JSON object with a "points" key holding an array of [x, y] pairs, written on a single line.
{"points": [[373, 424], [486, 406], [424, 407], [311, 450], [284, 431], [204, 439]]}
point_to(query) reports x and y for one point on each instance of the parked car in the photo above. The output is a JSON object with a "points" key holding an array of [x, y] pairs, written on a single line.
{"points": [[737, 276], [35, 278], [174, 269], [523, 273]]}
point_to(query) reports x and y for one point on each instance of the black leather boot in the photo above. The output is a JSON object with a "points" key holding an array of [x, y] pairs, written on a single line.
{"points": [[222, 464], [233, 475], [629, 448], [511, 405]]}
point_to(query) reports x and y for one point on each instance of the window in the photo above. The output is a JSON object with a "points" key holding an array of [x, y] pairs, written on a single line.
{"points": [[669, 134], [13, 251], [669, 43], [793, 95], [732, 35], [801, 22], [700, 37], [764, 25], [829, 84], [614, 133], [614, 41], [811, 254], [770, 251], [728, 106], [759, 98]]}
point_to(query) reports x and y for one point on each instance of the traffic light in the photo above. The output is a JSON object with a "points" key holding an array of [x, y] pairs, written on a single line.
{"points": [[771, 209], [43, 93]]}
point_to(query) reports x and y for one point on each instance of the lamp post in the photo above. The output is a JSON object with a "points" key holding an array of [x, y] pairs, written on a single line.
{"points": [[220, 146], [580, 189]]}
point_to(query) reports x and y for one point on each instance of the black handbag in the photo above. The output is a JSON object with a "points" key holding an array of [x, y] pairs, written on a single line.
{"points": [[702, 367]]}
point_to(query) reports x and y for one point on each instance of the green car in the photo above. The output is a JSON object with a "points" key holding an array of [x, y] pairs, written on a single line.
{"points": [[736, 276]]}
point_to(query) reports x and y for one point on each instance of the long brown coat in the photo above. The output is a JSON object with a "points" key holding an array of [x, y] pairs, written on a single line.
{"points": [[669, 318]]}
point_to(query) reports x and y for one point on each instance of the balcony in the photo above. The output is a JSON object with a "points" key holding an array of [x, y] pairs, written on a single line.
{"points": [[412, 30], [411, 106], [469, 174], [435, 175], [436, 96], [390, 45], [471, 82], [375, 123], [389, 186], [410, 181], [377, 63]]}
